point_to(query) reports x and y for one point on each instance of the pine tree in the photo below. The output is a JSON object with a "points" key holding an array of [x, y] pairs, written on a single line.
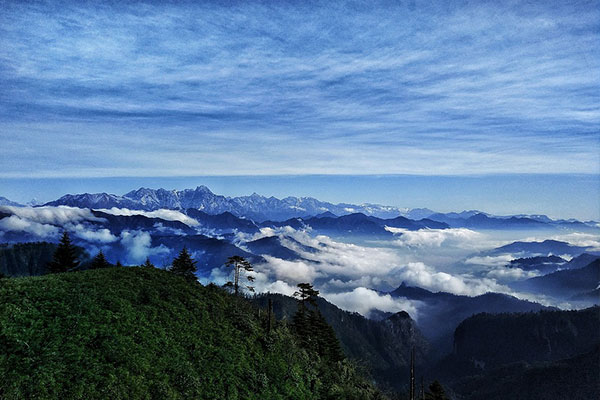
{"points": [[436, 392], [306, 294], [240, 265], [302, 319], [148, 264], [99, 261], [324, 338], [64, 258], [184, 265], [118, 264]]}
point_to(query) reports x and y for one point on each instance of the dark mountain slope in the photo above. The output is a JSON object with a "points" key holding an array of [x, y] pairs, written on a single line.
{"points": [[545, 248], [499, 339], [383, 347], [25, 259], [539, 263], [575, 378], [224, 222], [582, 261], [545, 355], [442, 312], [119, 223], [565, 283], [143, 333], [31, 259]]}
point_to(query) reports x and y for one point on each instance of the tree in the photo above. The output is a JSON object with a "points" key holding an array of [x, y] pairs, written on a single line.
{"points": [[148, 264], [184, 265], [99, 261], [436, 392], [64, 258], [240, 265], [306, 294], [310, 325], [118, 264]]}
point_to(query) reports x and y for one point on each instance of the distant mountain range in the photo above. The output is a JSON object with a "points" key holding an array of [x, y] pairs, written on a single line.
{"points": [[6, 202], [261, 208], [256, 207]]}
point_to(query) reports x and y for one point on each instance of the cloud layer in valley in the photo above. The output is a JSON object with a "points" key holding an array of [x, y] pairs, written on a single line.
{"points": [[344, 271]]}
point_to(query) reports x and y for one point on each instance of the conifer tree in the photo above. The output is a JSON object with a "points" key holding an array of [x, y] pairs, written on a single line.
{"points": [[240, 265], [184, 265], [99, 261], [436, 392], [148, 264], [118, 264], [325, 341], [64, 258]]}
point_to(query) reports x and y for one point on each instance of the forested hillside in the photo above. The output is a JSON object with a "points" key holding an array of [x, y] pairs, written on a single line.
{"points": [[382, 347], [143, 333]]}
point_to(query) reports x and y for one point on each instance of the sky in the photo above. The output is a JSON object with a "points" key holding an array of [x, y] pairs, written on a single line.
{"points": [[457, 93]]}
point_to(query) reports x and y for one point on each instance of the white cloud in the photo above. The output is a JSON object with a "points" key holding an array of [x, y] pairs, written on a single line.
{"points": [[167, 229], [580, 239], [168, 215], [340, 266], [419, 274], [364, 300], [491, 261], [52, 215], [101, 235], [139, 246], [291, 271], [15, 223], [278, 287], [459, 237], [512, 274]]}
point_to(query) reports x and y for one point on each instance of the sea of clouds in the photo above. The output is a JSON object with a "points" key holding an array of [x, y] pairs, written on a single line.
{"points": [[354, 276]]}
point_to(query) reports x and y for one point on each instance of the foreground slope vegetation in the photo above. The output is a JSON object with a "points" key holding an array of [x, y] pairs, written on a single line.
{"points": [[143, 333]]}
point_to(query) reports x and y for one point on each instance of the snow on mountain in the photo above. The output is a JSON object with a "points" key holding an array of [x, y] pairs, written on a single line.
{"points": [[255, 206]]}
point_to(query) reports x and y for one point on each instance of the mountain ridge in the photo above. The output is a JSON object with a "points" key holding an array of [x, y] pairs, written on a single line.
{"points": [[262, 208]]}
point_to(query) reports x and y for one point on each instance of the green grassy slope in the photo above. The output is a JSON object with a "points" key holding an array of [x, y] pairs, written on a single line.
{"points": [[143, 333]]}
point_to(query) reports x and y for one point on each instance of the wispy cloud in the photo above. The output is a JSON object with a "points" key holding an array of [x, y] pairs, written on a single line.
{"points": [[187, 89], [167, 215]]}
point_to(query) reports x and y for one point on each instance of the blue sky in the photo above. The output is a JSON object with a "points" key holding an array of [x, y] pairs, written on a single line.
{"points": [[146, 89]]}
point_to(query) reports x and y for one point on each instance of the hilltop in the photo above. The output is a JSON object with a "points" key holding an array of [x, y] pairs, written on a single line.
{"points": [[144, 333]]}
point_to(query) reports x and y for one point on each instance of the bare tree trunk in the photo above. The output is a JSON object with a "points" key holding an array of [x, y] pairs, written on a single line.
{"points": [[236, 279]]}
